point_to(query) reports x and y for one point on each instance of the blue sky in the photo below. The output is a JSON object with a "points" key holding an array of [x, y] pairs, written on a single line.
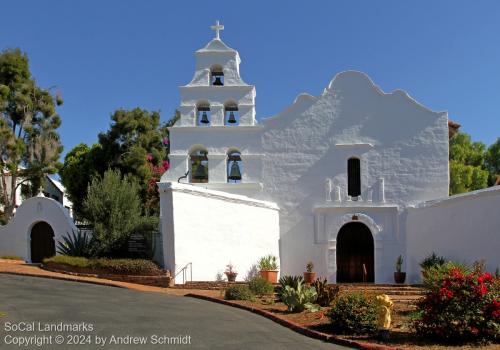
{"points": [[104, 55]]}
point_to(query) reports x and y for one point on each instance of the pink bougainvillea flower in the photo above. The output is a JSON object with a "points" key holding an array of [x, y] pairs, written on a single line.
{"points": [[149, 157]]}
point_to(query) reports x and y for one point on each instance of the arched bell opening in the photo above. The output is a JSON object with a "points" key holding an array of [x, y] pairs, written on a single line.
{"points": [[231, 115], [234, 166], [203, 115], [216, 75], [355, 254], [198, 165]]}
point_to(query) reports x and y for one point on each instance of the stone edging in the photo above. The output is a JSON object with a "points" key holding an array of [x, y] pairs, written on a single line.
{"points": [[153, 280], [297, 327]]}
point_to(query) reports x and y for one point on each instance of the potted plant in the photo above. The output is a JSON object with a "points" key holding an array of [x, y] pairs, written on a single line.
{"points": [[230, 273], [399, 277], [269, 268], [309, 275]]}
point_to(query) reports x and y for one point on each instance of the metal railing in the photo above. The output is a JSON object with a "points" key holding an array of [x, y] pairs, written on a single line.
{"points": [[184, 273]]}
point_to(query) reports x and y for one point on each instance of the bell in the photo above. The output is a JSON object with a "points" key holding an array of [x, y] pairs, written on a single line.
{"points": [[235, 173], [204, 118], [200, 173], [231, 119], [217, 81]]}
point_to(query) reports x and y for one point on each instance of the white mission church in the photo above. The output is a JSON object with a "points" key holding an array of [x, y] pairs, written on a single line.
{"points": [[349, 180]]}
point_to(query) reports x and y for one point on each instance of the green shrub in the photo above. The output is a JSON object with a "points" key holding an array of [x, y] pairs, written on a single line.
{"points": [[461, 305], [111, 266], [326, 293], [126, 266], [11, 257], [432, 260], [434, 275], [299, 298], [113, 208], [268, 263], [76, 243], [238, 292], [260, 286], [74, 261], [354, 313]]}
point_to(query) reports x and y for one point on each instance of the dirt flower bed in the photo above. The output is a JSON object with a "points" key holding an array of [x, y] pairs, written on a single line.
{"points": [[401, 334]]}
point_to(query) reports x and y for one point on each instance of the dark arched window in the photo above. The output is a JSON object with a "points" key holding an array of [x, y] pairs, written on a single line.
{"points": [[353, 177]]}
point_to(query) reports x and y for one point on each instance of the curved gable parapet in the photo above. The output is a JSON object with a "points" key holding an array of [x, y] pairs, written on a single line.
{"points": [[352, 78], [353, 83], [41, 208], [301, 103]]}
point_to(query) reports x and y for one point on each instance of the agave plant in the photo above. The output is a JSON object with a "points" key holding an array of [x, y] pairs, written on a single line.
{"points": [[292, 281], [76, 243]]}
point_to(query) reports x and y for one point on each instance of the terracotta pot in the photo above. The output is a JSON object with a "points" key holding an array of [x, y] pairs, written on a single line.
{"points": [[270, 275], [231, 276], [399, 277], [309, 277]]}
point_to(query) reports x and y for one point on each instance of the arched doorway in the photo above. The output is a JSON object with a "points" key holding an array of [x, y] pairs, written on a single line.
{"points": [[355, 254], [42, 242]]}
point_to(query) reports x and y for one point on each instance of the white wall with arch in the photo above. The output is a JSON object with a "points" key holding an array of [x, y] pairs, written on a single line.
{"points": [[15, 237]]}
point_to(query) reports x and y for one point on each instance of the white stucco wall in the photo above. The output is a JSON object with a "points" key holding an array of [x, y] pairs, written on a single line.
{"points": [[211, 229], [292, 158], [464, 228], [399, 142], [15, 236]]}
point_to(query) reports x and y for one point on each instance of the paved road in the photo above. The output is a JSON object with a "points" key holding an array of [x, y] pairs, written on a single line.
{"points": [[152, 318]]}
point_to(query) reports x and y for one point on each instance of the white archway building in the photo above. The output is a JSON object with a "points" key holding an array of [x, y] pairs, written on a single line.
{"points": [[298, 161]]}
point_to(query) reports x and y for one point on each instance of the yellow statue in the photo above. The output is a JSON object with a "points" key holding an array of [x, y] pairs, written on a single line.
{"points": [[384, 313]]}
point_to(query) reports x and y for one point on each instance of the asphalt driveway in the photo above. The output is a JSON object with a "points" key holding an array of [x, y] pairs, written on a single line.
{"points": [[43, 313]]}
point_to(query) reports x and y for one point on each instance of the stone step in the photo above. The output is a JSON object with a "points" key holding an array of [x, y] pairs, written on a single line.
{"points": [[391, 290]]}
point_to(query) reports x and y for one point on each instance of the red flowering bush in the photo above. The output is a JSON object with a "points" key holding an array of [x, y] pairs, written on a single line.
{"points": [[460, 305]]}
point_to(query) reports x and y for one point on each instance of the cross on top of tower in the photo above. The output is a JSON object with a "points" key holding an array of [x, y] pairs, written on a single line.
{"points": [[217, 28]]}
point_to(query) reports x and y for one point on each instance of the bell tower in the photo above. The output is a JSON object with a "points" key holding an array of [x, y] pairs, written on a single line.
{"points": [[217, 140]]}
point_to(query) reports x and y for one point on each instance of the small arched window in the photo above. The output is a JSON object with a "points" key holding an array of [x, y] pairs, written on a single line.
{"points": [[353, 177], [216, 75], [198, 165], [234, 166], [231, 115], [203, 115]]}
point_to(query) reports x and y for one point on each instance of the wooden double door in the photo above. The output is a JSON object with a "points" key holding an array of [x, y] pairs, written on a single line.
{"points": [[355, 254]]}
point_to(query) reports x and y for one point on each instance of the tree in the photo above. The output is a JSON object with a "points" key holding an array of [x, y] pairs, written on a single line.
{"points": [[493, 161], [136, 144], [467, 164], [113, 208], [80, 165], [29, 143]]}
